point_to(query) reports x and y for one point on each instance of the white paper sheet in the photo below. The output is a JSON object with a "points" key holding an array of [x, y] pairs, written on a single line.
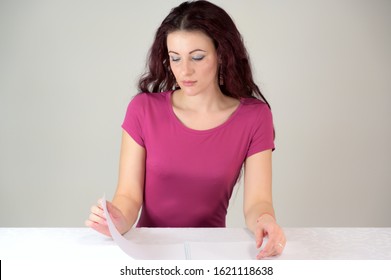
{"points": [[144, 251], [148, 249], [244, 250]]}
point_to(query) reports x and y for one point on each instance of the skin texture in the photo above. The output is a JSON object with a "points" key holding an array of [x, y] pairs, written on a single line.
{"points": [[198, 104]]}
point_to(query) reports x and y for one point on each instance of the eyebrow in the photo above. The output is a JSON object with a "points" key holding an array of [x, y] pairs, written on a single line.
{"points": [[196, 50]]}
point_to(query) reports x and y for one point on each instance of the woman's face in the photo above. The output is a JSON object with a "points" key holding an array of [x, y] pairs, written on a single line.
{"points": [[193, 61]]}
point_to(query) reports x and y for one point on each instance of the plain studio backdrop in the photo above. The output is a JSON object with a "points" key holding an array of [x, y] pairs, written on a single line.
{"points": [[68, 69]]}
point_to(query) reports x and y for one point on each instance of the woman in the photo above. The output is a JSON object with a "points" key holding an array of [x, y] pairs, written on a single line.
{"points": [[198, 119]]}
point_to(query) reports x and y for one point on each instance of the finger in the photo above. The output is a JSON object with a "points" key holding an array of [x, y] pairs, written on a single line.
{"points": [[91, 224], [267, 251], [272, 248], [98, 227], [279, 248], [100, 203], [97, 219], [97, 211], [111, 209], [280, 243], [259, 237], [272, 244]]}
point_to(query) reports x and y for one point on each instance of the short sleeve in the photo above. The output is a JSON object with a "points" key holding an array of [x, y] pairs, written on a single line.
{"points": [[134, 118], [262, 138]]}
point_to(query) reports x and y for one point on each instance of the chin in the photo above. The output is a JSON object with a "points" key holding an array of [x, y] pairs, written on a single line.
{"points": [[190, 91]]}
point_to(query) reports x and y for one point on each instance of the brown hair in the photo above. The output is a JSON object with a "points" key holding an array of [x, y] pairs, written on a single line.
{"points": [[217, 24]]}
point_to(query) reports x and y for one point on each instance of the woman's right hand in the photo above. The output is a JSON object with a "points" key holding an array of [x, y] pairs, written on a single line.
{"points": [[97, 219]]}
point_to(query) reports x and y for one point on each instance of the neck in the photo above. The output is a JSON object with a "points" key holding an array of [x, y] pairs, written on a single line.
{"points": [[205, 102]]}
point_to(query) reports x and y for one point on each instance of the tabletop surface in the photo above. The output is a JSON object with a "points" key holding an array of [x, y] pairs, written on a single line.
{"points": [[302, 244]]}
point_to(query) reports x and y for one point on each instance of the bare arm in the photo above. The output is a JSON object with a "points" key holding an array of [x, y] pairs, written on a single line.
{"points": [[130, 190], [257, 187], [128, 197], [258, 204]]}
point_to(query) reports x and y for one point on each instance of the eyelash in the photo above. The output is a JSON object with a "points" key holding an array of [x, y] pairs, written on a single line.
{"points": [[195, 58], [198, 58], [175, 59]]}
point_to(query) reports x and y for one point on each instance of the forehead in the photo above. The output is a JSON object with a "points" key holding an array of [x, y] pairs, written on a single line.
{"points": [[186, 41]]}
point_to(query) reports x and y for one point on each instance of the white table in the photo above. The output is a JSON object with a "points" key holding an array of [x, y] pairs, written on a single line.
{"points": [[84, 243]]}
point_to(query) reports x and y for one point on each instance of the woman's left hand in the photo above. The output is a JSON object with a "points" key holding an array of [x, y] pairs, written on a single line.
{"points": [[267, 226]]}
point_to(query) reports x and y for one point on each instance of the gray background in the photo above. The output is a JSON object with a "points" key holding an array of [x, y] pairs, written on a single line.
{"points": [[68, 69]]}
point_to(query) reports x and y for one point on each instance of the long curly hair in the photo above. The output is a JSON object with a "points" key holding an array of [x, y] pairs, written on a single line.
{"points": [[213, 21]]}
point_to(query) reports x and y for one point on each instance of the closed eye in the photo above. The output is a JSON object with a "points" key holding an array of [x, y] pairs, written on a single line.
{"points": [[198, 57], [175, 59]]}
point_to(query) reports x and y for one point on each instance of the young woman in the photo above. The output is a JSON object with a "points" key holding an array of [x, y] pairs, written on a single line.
{"points": [[198, 119]]}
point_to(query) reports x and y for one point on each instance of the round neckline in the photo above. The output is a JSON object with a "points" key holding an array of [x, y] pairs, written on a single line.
{"points": [[199, 131]]}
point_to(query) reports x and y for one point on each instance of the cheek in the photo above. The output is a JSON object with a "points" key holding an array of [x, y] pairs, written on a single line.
{"points": [[213, 73], [174, 70], [210, 70]]}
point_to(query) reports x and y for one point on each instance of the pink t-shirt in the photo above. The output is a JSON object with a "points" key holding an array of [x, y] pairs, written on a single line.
{"points": [[190, 174]]}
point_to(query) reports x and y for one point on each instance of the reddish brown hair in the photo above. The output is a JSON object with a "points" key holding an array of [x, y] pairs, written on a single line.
{"points": [[217, 24]]}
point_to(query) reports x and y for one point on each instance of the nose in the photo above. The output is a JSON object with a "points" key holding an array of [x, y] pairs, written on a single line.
{"points": [[187, 68]]}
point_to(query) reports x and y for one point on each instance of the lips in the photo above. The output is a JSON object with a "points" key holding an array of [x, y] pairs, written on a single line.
{"points": [[188, 83]]}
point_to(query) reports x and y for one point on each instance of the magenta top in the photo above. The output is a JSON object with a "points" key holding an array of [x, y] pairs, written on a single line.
{"points": [[190, 174]]}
